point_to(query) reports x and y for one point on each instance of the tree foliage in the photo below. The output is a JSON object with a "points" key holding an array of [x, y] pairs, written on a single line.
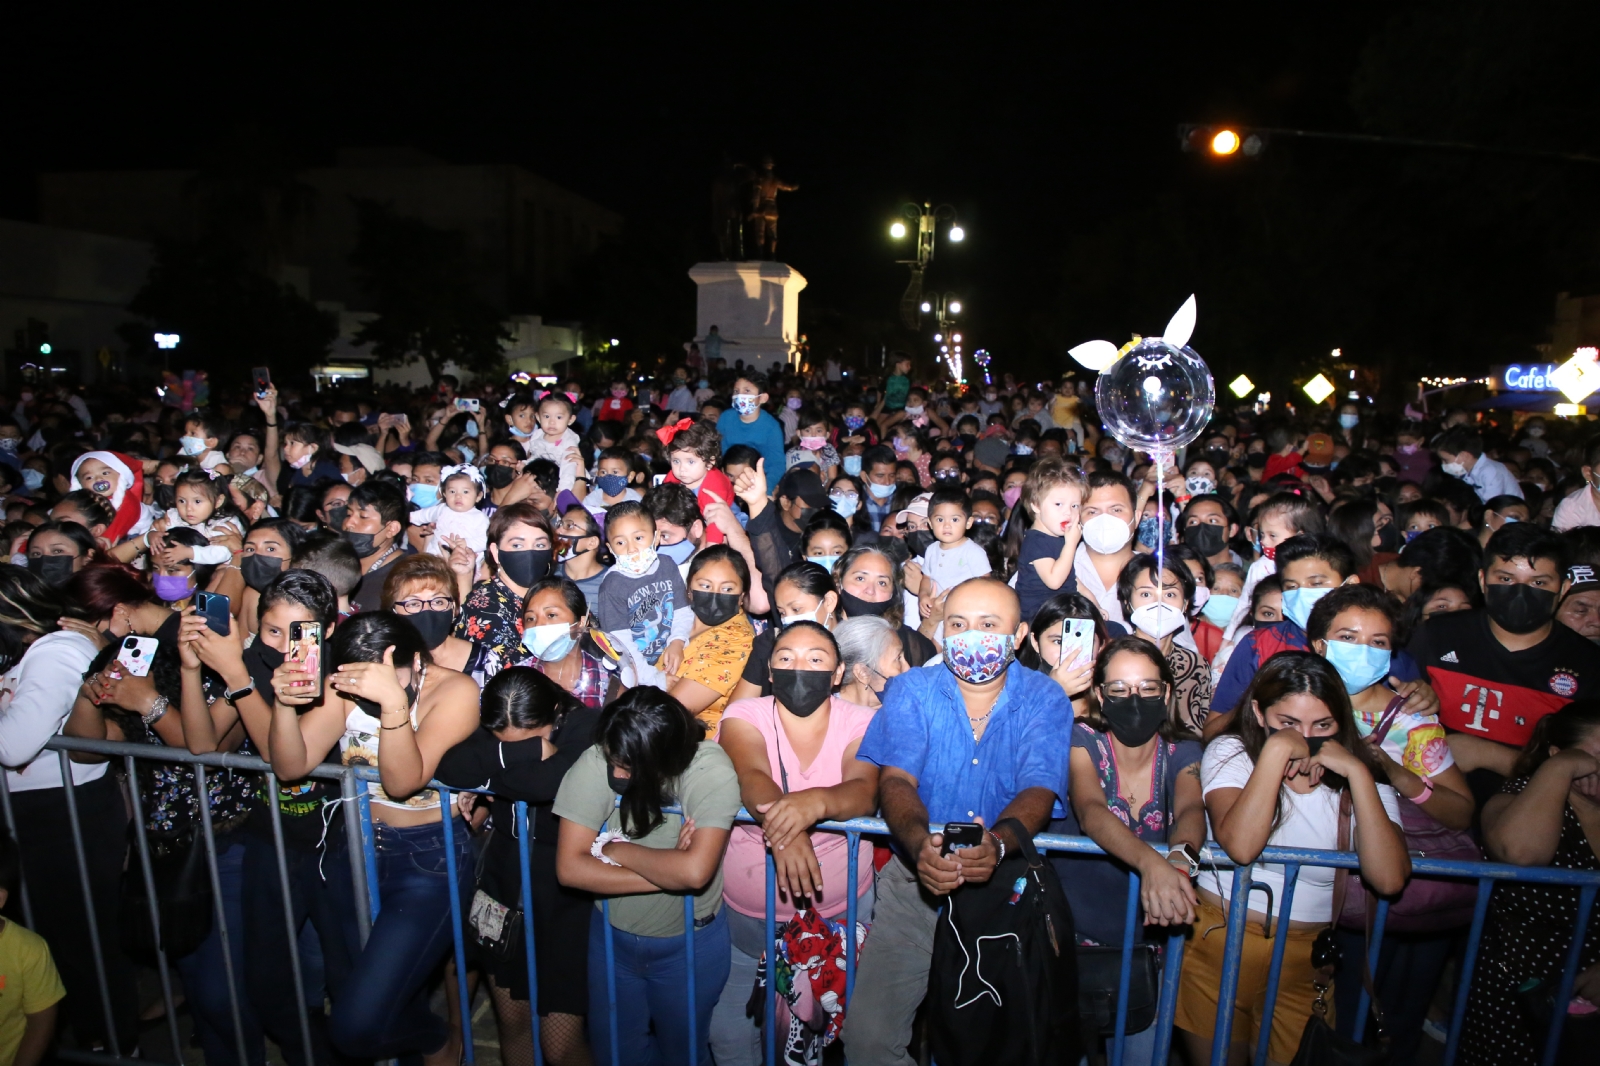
{"points": [[419, 281]]}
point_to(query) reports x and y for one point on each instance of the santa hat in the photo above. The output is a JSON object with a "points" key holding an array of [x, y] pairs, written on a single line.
{"points": [[128, 499]]}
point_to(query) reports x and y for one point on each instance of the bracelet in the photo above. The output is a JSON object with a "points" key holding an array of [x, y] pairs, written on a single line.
{"points": [[1001, 844], [272, 425], [600, 841], [1427, 790], [158, 707]]}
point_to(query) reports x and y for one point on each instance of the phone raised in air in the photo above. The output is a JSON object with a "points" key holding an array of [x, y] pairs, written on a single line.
{"points": [[1077, 640], [136, 653], [463, 404], [263, 379], [961, 835], [305, 646], [216, 609]]}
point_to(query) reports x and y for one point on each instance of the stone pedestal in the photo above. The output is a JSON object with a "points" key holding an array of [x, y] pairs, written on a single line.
{"points": [[755, 307]]}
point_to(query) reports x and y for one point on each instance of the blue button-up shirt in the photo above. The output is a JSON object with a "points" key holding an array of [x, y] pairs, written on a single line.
{"points": [[923, 729]]}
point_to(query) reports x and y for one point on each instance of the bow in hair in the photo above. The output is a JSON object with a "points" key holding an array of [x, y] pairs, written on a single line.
{"points": [[666, 433], [465, 468]]}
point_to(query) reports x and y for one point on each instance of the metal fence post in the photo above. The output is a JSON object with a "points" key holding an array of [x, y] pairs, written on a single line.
{"points": [[1569, 973], [355, 839], [1291, 877], [11, 827], [769, 1002], [69, 790], [1167, 1007], [203, 801], [525, 860], [1130, 917], [1469, 959], [457, 935], [688, 967], [276, 817], [1238, 913], [853, 866], [155, 908], [611, 979], [1373, 954]]}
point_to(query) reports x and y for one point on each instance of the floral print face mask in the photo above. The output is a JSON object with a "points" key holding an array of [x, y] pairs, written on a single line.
{"points": [[977, 657]]}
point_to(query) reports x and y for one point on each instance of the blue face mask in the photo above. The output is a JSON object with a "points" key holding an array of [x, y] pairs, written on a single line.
{"points": [[611, 484], [1021, 449], [704, 384], [1350, 422], [1219, 609], [845, 506], [519, 434], [1297, 604], [852, 465], [1148, 531], [472, 429], [1360, 665], [423, 495], [679, 553], [882, 492], [824, 561], [466, 453], [33, 479], [854, 422]]}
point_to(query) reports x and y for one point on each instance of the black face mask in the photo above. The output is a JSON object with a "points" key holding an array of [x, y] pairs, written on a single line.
{"points": [[336, 515], [53, 570], [1313, 744], [365, 544], [259, 571], [433, 625], [919, 541], [619, 785], [1207, 540], [165, 497], [497, 476], [713, 608], [527, 566], [266, 655], [855, 606], [1388, 538], [1519, 608], [801, 692], [1134, 719]]}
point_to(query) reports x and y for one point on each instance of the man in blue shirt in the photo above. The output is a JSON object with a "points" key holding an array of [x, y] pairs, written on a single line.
{"points": [[976, 739], [748, 424]]}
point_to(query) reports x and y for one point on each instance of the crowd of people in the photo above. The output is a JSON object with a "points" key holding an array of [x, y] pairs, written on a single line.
{"points": [[641, 607]]}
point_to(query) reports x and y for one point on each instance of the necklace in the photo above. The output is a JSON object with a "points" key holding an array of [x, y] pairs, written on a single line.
{"points": [[390, 550], [974, 723]]}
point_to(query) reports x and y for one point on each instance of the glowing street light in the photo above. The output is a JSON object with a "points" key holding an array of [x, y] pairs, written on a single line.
{"points": [[1241, 386], [955, 307], [957, 234], [1225, 142], [924, 219], [938, 336], [1318, 388], [956, 336], [898, 230], [926, 307]]}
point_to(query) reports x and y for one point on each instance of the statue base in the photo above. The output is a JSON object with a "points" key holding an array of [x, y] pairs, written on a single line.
{"points": [[756, 308]]}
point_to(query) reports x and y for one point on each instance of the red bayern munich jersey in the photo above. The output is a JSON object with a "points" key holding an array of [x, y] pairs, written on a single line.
{"points": [[1489, 691]]}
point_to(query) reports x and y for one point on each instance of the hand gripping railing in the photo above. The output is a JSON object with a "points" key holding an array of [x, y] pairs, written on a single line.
{"points": [[362, 849]]}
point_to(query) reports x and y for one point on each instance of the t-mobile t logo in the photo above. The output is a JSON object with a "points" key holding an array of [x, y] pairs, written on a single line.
{"points": [[1476, 712]]}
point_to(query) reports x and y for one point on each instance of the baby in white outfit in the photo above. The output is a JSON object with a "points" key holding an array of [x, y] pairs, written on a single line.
{"points": [[461, 487]]}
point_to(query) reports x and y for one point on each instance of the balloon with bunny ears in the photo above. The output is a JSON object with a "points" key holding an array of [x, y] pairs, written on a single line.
{"points": [[1155, 394]]}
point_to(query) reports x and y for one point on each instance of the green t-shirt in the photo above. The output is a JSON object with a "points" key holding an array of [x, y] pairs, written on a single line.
{"points": [[895, 392], [708, 791]]}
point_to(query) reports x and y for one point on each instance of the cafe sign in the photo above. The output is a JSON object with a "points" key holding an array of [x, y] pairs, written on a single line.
{"points": [[1523, 377]]}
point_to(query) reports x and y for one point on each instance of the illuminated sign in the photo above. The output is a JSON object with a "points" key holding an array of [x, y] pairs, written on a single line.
{"points": [[1524, 377]]}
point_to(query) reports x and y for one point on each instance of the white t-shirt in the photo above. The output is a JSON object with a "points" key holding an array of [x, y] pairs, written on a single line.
{"points": [[1309, 821], [950, 567], [36, 695]]}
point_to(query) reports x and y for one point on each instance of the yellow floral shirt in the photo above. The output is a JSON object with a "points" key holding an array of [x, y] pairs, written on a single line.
{"points": [[715, 658]]}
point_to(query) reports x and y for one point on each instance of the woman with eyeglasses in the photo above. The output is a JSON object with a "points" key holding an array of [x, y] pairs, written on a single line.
{"points": [[521, 548], [422, 590], [555, 634], [1135, 781], [581, 555]]}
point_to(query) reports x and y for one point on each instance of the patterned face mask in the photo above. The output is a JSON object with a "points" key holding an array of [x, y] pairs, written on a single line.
{"points": [[978, 657]]}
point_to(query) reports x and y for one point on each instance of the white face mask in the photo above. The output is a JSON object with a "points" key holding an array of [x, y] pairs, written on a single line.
{"points": [[1454, 469], [1157, 619], [637, 563], [1106, 534]]}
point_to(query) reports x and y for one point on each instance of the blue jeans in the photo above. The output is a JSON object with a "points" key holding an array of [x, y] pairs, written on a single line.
{"points": [[205, 974], [380, 992], [653, 993], [269, 975]]}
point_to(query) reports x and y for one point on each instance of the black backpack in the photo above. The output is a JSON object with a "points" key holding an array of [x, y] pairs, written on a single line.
{"points": [[1003, 987]]}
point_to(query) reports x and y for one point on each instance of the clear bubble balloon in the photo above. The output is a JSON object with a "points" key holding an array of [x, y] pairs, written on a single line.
{"points": [[1157, 397]]}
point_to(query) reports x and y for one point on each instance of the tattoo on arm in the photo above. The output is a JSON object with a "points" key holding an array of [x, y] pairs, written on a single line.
{"points": [[1193, 771]]}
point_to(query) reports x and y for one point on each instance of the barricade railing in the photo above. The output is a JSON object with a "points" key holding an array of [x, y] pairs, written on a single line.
{"points": [[361, 846]]}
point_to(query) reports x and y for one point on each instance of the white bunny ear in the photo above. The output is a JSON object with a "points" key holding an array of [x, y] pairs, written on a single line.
{"points": [[1096, 355], [1181, 327]]}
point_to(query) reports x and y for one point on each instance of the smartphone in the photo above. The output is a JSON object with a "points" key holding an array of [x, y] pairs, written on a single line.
{"points": [[305, 646], [468, 405], [1077, 640], [216, 609], [136, 653], [263, 379], [961, 835]]}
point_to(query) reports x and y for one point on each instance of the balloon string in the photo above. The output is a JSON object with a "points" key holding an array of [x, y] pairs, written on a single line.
{"points": [[1161, 527]]}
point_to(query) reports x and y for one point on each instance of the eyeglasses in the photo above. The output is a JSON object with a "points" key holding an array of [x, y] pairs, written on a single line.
{"points": [[417, 606], [1148, 689]]}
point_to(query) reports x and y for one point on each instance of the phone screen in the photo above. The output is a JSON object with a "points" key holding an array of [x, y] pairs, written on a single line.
{"points": [[305, 646], [1077, 640]]}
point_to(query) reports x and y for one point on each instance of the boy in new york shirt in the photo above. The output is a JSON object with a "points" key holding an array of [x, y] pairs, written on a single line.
{"points": [[642, 601]]}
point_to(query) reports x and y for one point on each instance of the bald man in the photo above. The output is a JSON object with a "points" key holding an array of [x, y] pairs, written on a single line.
{"points": [[979, 738]]}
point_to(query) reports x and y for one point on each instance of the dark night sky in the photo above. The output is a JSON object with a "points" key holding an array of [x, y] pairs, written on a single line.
{"points": [[1053, 134]]}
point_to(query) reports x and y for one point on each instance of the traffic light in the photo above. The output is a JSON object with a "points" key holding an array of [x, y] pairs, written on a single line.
{"points": [[1221, 140]]}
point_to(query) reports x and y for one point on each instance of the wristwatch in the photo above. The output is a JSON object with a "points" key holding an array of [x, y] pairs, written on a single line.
{"points": [[238, 694], [1187, 853]]}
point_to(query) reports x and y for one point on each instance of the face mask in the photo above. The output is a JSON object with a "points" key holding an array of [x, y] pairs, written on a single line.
{"points": [[746, 405], [1269, 551], [882, 492], [1207, 540], [423, 495], [1349, 421], [520, 434], [1106, 534], [919, 540], [472, 429], [1409, 449], [1535, 431], [1148, 532], [1157, 619], [914, 412], [1297, 604], [498, 477], [302, 462], [713, 608], [902, 446], [1219, 609], [680, 552], [991, 396], [259, 571], [171, 588], [611, 484], [855, 606], [854, 422], [526, 567], [793, 403], [619, 393], [1519, 608], [787, 620], [638, 563], [844, 506], [550, 643], [705, 383], [1360, 665], [1199, 485], [1021, 449], [191, 446], [1454, 469], [1134, 719], [433, 625], [813, 444], [802, 692], [53, 570], [852, 465], [335, 513], [1201, 596], [33, 479], [349, 478], [619, 785], [1012, 495], [365, 544], [977, 657], [1388, 538], [266, 655]]}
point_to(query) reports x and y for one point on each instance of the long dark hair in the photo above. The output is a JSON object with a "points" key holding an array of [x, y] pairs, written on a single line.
{"points": [[1561, 729], [363, 638], [1061, 605], [1172, 728], [520, 697], [654, 737]]}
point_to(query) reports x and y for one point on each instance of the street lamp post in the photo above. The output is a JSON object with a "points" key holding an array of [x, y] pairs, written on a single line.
{"points": [[925, 218], [945, 307]]}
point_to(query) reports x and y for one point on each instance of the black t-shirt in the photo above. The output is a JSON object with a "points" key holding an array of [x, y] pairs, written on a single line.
{"points": [[755, 667], [368, 596], [300, 803]]}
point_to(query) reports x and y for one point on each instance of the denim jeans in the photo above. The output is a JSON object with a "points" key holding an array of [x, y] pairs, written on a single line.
{"points": [[380, 992], [268, 973], [652, 986], [205, 972]]}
